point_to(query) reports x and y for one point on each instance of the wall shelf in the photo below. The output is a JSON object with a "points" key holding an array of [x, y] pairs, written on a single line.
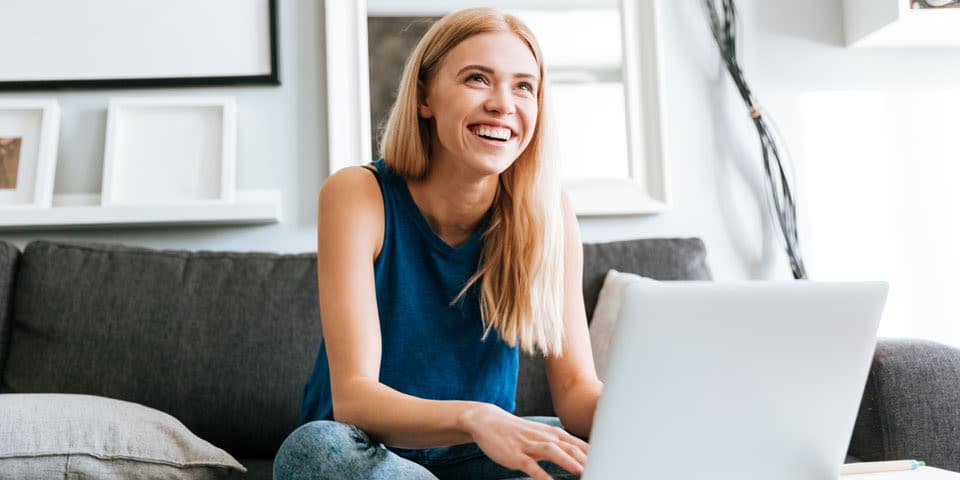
{"points": [[85, 211], [893, 24]]}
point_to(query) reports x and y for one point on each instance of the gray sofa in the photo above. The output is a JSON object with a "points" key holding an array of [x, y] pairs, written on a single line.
{"points": [[224, 342]]}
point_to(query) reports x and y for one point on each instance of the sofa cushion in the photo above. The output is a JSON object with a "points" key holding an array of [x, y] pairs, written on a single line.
{"points": [[656, 258], [258, 468], [221, 341], [84, 436], [910, 404], [9, 258], [604, 321]]}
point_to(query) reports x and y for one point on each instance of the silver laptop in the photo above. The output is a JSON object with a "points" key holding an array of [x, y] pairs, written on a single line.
{"points": [[743, 380]]}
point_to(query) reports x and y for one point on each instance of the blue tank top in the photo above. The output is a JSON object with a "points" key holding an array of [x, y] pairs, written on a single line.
{"points": [[431, 349]]}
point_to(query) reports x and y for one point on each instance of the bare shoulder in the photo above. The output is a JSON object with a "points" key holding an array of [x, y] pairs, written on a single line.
{"points": [[357, 183], [351, 204]]}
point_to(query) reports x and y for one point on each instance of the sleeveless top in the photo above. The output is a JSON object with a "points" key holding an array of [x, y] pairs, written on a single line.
{"points": [[430, 348]]}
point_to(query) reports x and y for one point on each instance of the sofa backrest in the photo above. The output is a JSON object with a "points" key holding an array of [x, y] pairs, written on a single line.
{"points": [[657, 258], [9, 258], [222, 341]]}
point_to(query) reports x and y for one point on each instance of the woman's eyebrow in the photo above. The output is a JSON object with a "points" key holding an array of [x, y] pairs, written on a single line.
{"points": [[486, 69]]}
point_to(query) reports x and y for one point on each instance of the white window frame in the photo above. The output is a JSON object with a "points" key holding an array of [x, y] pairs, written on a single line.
{"points": [[644, 191]]}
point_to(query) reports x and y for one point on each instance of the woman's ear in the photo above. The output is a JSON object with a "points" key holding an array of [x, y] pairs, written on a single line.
{"points": [[422, 107]]}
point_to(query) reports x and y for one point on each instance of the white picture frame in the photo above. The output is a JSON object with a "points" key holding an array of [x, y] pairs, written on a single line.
{"points": [[36, 126], [122, 44], [170, 151], [645, 190]]}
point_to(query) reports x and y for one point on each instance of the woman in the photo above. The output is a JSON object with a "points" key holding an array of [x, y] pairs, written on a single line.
{"points": [[436, 264]]}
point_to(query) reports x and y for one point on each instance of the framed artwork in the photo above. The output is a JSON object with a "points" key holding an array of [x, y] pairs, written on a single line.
{"points": [[616, 79], [170, 151], [29, 132], [121, 44]]}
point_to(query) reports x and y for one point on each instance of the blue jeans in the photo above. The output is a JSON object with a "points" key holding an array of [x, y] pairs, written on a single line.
{"points": [[327, 449]]}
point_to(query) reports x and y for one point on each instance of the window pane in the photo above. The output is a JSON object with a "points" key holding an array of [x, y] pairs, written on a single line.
{"points": [[579, 37], [880, 170], [592, 129]]}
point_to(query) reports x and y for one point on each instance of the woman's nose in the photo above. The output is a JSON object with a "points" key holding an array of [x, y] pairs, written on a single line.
{"points": [[501, 101]]}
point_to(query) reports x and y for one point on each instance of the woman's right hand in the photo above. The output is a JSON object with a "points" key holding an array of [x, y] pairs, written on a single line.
{"points": [[518, 444]]}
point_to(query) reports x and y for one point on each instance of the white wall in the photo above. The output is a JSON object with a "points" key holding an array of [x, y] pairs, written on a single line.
{"points": [[281, 145], [789, 49]]}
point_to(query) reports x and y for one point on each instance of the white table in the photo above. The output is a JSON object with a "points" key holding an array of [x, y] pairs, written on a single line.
{"points": [[925, 473]]}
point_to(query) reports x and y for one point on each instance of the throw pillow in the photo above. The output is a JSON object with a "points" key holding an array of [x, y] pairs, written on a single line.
{"points": [[603, 323], [85, 436]]}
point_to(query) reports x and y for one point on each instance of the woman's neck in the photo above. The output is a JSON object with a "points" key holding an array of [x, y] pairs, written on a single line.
{"points": [[453, 202]]}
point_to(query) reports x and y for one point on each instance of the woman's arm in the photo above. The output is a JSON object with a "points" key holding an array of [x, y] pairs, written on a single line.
{"points": [[349, 236], [574, 385]]}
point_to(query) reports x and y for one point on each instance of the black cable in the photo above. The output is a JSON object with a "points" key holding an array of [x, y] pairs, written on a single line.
{"points": [[780, 194]]}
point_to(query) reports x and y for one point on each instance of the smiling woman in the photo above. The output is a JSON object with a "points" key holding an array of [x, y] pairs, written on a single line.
{"points": [[436, 265], [606, 83]]}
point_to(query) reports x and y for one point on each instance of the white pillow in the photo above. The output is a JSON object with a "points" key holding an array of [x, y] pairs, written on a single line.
{"points": [[603, 323], [85, 436]]}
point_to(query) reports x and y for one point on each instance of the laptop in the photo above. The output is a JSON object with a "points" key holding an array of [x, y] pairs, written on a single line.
{"points": [[742, 381]]}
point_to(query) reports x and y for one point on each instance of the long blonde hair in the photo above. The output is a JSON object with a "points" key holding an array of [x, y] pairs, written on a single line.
{"points": [[520, 274]]}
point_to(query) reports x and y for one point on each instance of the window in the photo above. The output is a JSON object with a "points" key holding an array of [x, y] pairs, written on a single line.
{"points": [[879, 175]]}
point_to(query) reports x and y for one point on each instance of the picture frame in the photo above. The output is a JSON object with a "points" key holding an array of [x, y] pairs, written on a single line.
{"points": [[189, 43], [645, 187], [170, 151], [29, 137]]}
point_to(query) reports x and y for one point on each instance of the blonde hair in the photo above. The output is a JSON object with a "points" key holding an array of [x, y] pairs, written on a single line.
{"points": [[520, 274]]}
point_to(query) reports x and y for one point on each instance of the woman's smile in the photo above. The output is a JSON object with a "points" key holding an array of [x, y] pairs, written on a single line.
{"points": [[491, 135]]}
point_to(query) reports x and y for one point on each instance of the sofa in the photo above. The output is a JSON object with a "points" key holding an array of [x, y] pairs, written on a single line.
{"points": [[223, 342]]}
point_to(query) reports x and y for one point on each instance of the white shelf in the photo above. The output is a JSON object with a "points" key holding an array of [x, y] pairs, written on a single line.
{"points": [[252, 207], [892, 23]]}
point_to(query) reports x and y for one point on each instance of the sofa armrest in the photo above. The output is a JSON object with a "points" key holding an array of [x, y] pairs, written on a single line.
{"points": [[911, 405]]}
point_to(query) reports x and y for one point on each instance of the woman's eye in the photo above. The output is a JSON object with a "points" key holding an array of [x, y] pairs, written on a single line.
{"points": [[476, 77], [526, 86]]}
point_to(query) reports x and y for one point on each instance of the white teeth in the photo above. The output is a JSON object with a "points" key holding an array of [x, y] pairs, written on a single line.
{"points": [[500, 133]]}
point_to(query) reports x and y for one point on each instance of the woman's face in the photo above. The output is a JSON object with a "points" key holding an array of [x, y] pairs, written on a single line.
{"points": [[483, 101]]}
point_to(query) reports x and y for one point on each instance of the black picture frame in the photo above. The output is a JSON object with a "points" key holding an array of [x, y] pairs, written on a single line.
{"points": [[271, 78]]}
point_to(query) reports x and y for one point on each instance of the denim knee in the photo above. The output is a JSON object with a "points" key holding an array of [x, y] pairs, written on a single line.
{"points": [[320, 449], [326, 449]]}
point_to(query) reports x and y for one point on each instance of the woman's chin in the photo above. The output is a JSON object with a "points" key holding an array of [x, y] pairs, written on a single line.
{"points": [[493, 164]]}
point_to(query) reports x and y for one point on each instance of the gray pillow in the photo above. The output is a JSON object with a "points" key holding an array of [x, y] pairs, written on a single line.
{"points": [[85, 436]]}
